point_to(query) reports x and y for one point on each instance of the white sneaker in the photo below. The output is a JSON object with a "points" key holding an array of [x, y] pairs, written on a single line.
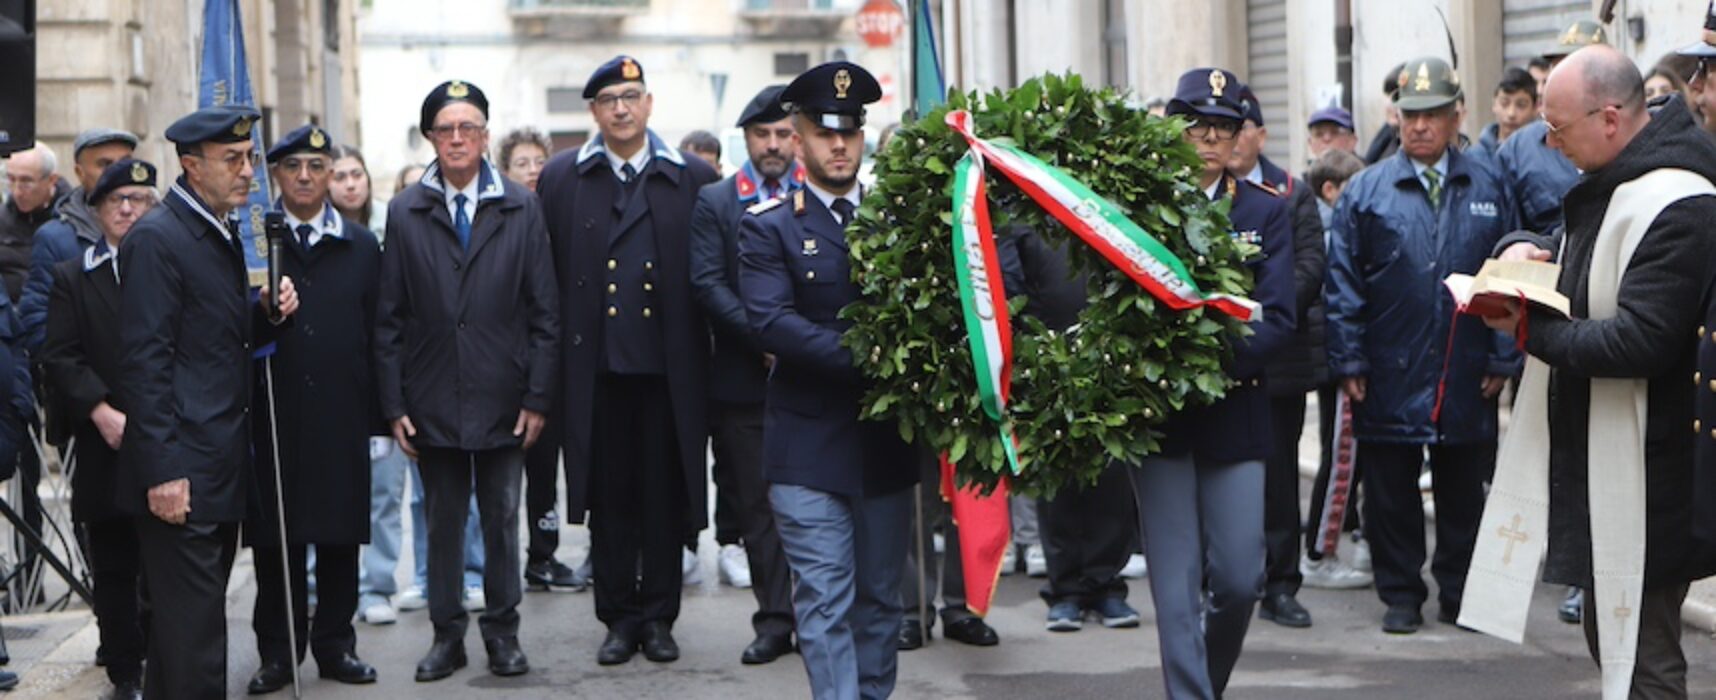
{"points": [[475, 601], [1135, 567], [1009, 562], [1036, 564], [690, 574], [411, 599], [1332, 573], [735, 566], [379, 614], [1361, 555], [939, 543]]}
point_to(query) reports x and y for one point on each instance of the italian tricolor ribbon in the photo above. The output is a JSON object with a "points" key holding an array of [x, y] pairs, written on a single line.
{"points": [[1095, 220]]}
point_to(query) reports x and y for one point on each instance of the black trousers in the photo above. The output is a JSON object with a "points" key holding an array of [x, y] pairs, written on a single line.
{"points": [[736, 434], [116, 565], [730, 517], [330, 634], [186, 569], [1394, 516], [541, 491], [1088, 533], [637, 501], [1325, 463], [449, 476], [1281, 524]]}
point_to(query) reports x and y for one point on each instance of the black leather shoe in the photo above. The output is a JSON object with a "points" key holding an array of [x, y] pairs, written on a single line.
{"points": [[273, 676], [346, 668], [552, 575], [444, 657], [766, 648], [9, 680], [505, 658], [912, 635], [126, 691], [1284, 609], [1572, 608], [658, 644], [618, 648], [973, 631], [1402, 619]]}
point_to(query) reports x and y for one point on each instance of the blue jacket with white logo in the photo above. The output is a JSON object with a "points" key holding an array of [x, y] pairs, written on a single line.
{"points": [[1388, 313]]}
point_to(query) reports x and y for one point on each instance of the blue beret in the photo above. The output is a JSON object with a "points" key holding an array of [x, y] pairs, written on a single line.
{"points": [[1210, 92], [445, 94], [833, 95], [308, 138], [619, 69], [223, 124], [1331, 115], [122, 173], [764, 108]]}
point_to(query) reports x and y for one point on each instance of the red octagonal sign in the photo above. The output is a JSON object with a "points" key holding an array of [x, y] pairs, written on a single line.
{"points": [[879, 21]]}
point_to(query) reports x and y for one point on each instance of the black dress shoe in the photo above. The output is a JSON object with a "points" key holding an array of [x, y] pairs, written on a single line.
{"points": [[505, 657], [8, 680], [273, 676], [1402, 619], [766, 648], [126, 691], [973, 631], [445, 656], [618, 648], [346, 668], [1284, 609], [912, 635], [552, 575], [658, 644]]}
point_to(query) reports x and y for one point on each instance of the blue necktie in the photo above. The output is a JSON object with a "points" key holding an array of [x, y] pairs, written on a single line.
{"points": [[304, 232], [462, 222]]}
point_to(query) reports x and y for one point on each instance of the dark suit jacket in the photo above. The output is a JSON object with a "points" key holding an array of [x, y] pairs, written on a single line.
{"points": [[464, 339], [186, 325], [794, 278], [80, 357], [578, 191], [736, 371]]}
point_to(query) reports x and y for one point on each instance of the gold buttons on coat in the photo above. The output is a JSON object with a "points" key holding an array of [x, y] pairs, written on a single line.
{"points": [[615, 264], [649, 287], [649, 265], [1697, 425], [810, 274], [613, 288], [613, 311], [646, 312]]}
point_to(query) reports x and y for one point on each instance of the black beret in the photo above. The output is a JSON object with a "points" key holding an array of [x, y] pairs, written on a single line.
{"points": [[122, 173], [223, 124], [304, 139], [764, 108], [833, 95], [1210, 92], [445, 94], [619, 69]]}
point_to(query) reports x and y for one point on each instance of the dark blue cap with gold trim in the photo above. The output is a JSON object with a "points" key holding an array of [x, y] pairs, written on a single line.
{"points": [[308, 138], [832, 95], [764, 108], [223, 124], [122, 173], [445, 94], [619, 69], [1209, 92]]}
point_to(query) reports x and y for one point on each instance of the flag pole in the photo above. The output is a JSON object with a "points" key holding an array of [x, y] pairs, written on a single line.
{"points": [[280, 520]]}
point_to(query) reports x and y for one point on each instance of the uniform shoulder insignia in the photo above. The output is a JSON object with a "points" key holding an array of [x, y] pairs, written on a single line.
{"points": [[763, 206], [1266, 187]]}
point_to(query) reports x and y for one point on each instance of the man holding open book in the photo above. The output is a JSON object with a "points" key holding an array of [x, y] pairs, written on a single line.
{"points": [[1600, 424]]}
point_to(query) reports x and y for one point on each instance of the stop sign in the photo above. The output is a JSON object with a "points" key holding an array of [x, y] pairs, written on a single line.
{"points": [[879, 21]]}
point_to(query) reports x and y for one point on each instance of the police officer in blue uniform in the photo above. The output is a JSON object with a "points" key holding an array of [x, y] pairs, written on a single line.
{"points": [[187, 327], [1200, 500], [840, 487], [1538, 175]]}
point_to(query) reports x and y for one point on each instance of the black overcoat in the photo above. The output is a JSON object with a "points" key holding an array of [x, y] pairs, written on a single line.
{"points": [[80, 360]]}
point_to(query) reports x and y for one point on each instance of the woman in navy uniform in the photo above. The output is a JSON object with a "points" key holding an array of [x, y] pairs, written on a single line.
{"points": [[1200, 500], [839, 486]]}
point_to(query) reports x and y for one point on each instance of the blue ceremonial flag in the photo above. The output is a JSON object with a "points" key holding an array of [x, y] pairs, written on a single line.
{"points": [[928, 85], [224, 78]]}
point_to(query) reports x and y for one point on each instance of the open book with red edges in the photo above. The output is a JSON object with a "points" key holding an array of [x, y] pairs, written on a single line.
{"points": [[1500, 281]]}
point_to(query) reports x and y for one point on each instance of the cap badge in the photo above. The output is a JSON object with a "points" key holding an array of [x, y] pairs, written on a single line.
{"points": [[458, 90], [629, 70], [139, 173], [1218, 82], [242, 128], [842, 82], [1422, 83], [318, 139]]}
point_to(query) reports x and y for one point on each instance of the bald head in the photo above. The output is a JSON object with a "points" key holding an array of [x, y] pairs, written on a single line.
{"points": [[1600, 76], [1593, 103]]}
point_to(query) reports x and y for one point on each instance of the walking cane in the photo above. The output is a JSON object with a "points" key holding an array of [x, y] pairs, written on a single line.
{"points": [[280, 520], [923, 603]]}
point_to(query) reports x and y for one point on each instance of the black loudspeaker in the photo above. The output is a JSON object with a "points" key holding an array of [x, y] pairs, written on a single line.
{"points": [[18, 79]]}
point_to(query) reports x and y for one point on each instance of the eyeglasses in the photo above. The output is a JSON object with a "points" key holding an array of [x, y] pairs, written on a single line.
{"points": [[139, 200], [1556, 130], [27, 181], [235, 160], [522, 163], [465, 130], [630, 97], [317, 166], [1224, 130]]}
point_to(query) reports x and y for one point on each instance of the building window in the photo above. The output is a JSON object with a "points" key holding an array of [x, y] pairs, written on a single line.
{"points": [[565, 100], [1116, 73], [331, 21], [791, 63]]}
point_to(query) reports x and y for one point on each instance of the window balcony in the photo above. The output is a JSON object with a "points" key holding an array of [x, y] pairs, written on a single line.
{"points": [[808, 19]]}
